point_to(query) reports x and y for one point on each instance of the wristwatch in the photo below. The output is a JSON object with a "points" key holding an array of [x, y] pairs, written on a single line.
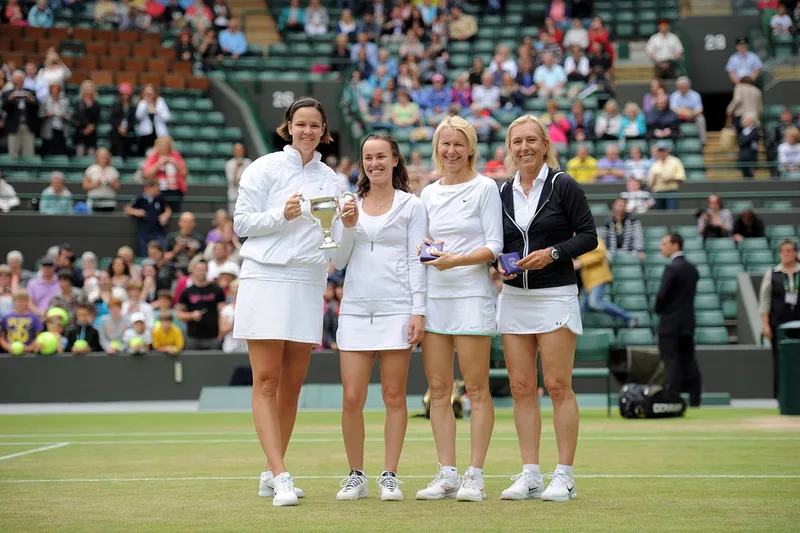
{"points": [[554, 253]]}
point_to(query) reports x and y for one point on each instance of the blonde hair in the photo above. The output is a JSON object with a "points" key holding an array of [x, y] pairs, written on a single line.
{"points": [[103, 151], [165, 139], [792, 132], [634, 106], [126, 251], [85, 85], [456, 124], [550, 155]]}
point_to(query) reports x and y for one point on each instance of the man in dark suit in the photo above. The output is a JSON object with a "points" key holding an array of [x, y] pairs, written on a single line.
{"points": [[22, 116], [675, 306]]}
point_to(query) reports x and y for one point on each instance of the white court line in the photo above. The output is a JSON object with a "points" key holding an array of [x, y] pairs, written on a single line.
{"points": [[35, 450], [423, 476], [465, 438]]}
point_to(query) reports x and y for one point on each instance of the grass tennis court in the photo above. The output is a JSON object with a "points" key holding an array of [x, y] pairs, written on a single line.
{"points": [[716, 470]]}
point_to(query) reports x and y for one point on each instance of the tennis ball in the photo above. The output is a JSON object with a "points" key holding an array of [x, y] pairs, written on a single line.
{"points": [[48, 343], [81, 345], [60, 312], [137, 344], [17, 348], [117, 345]]}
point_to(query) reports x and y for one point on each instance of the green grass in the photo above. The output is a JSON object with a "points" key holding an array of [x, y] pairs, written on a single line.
{"points": [[198, 473]]}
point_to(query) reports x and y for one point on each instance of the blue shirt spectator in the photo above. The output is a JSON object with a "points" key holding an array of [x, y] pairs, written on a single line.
{"points": [[369, 47], [689, 100], [743, 63], [439, 97], [232, 41], [385, 59], [41, 16], [56, 199], [293, 17], [369, 26], [550, 77]]}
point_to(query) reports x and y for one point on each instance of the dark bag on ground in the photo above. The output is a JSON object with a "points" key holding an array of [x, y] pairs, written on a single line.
{"points": [[649, 401]]}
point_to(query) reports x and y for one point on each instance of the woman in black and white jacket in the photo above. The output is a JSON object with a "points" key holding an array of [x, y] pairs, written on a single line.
{"points": [[547, 221]]}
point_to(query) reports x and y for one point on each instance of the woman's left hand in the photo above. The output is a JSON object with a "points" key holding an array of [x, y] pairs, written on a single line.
{"points": [[444, 260], [416, 329], [536, 260], [350, 213]]}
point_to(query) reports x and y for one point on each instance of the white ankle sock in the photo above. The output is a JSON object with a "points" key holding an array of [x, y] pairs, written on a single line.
{"points": [[565, 469], [477, 470], [450, 471], [532, 470], [268, 473]]}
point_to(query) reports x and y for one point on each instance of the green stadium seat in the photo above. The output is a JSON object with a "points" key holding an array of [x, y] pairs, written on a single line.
{"points": [[710, 319], [686, 231], [730, 309], [727, 257], [698, 257], [459, 47], [759, 268], [689, 146], [714, 335], [654, 273], [782, 231], [633, 303], [727, 288], [626, 259], [738, 206], [636, 337], [629, 287], [692, 245], [654, 232], [754, 244], [627, 272], [778, 205], [643, 318], [706, 286], [595, 319], [704, 271], [727, 271], [693, 161], [706, 302]]}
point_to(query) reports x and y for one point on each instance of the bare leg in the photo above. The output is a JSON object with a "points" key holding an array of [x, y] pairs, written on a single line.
{"points": [[394, 381], [520, 353], [473, 359], [296, 358], [266, 359], [437, 356], [558, 355], [356, 368]]}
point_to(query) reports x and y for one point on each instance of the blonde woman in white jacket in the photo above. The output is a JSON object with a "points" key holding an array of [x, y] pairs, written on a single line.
{"points": [[152, 115], [383, 308], [279, 306]]}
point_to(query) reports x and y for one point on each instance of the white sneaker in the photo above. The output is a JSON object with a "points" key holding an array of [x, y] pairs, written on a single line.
{"points": [[266, 486], [471, 487], [526, 486], [390, 488], [561, 488], [442, 486], [354, 487], [284, 491]]}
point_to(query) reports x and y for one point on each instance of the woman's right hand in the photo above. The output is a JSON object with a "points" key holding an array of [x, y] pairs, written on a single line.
{"points": [[767, 331], [501, 270], [294, 207], [419, 246]]}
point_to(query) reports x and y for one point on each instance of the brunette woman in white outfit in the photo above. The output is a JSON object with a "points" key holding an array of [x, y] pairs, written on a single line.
{"points": [[282, 281], [383, 308], [464, 214], [547, 221]]}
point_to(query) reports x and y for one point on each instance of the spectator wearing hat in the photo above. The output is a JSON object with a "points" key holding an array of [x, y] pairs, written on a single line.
{"points": [[19, 275], [21, 109], [199, 306], [665, 176], [123, 123], [227, 275], [665, 50], [56, 199], [743, 63], [153, 212], [137, 338], [167, 337], [44, 287], [83, 330]]}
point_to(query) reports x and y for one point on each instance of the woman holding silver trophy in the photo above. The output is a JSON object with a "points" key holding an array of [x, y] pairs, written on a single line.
{"points": [[283, 277], [466, 234], [383, 309]]}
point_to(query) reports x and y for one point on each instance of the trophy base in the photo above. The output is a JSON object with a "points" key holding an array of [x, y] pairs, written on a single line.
{"points": [[328, 246]]}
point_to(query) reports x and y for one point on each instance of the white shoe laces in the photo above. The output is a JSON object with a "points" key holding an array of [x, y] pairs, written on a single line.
{"points": [[559, 477], [390, 483], [350, 482], [284, 484], [472, 481], [441, 477]]}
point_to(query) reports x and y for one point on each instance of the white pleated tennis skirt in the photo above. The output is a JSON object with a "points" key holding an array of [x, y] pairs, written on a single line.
{"points": [[471, 315], [538, 311], [280, 310], [360, 333]]}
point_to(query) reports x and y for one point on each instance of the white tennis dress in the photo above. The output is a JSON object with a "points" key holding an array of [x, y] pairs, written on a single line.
{"points": [[385, 281], [466, 217], [284, 272]]}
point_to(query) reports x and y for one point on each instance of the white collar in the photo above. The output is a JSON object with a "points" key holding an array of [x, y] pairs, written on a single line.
{"points": [[676, 254], [295, 156], [542, 176]]}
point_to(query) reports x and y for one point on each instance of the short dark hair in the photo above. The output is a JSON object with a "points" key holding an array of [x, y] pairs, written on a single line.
{"points": [[163, 293], [676, 238], [65, 273], [155, 244], [304, 101], [87, 306]]}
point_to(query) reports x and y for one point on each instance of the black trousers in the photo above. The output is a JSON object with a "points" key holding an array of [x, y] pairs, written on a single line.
{"points": [[683, 374]]}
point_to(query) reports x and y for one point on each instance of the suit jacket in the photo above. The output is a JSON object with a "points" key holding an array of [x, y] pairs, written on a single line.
{"points": [[11, 107], [675, 298], [746, 98]]}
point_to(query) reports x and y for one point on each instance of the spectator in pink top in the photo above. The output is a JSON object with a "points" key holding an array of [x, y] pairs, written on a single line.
{"points": [[557, 124], [43, 288], [167, 166]]}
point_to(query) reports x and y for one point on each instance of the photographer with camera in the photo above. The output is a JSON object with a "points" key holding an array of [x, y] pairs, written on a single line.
{"points": [[22, 117]]}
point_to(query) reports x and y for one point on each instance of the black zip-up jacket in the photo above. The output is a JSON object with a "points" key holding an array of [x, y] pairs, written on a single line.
{"points": [[562, 220]]}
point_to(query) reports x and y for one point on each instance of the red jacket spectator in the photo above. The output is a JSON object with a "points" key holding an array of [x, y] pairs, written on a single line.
{"points": [[598, 33], [167, 166], [155, 9], [192, 11]]}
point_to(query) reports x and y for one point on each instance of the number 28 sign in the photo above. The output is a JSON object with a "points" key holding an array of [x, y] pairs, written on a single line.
{"points": [[714, 42]]}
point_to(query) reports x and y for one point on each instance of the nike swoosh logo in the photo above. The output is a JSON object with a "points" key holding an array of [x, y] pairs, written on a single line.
{"points": [[450, 489], [465, 200], [570, 488]]}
